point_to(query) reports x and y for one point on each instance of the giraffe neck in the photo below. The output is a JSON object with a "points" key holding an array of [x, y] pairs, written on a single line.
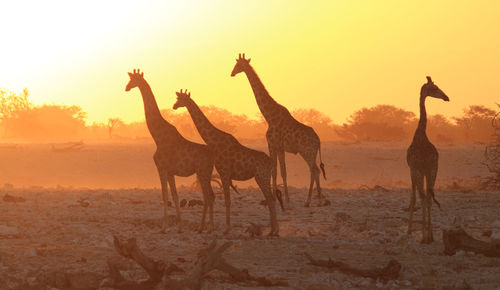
{"points": [[422, 123], [157, 126], [266, 103], [208, 132]]}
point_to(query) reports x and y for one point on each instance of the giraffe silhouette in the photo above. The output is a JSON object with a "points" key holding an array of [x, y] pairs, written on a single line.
{"points": [[175, 155], [422, 158], [233, 161], [284, 134]]}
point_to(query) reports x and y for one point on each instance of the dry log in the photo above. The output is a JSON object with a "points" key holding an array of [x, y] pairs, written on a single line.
{"points": [[458, 239], [389, 272], [208, 259]]}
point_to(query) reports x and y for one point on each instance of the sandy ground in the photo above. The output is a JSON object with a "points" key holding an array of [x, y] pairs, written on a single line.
{"points": [[51, 240]]}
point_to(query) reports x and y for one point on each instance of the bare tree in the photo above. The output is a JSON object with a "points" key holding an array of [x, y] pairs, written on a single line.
{"points": [[112, 124], [11, 105], [492, 155]]}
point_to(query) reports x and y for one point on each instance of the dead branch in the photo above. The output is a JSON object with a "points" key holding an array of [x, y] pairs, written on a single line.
{"points": [[67, 147], [209, 259], [389, 272], [458, 239]]}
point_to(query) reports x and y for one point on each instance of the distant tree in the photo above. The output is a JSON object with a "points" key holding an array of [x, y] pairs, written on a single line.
{"points": [[475, 124], [321, 123], [379, 123], [492, 155], [50, 122], [12, 105], [441, 129], [112, 124]]}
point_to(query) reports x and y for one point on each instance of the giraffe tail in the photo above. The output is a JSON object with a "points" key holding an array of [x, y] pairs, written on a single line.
{"points": [[434, 199], [234, 188], [321, 165]]}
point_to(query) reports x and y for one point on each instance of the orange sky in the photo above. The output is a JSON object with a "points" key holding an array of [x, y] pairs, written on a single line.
{"points": [[334, 56]]}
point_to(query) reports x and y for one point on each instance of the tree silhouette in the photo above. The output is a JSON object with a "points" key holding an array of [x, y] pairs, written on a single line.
{"points": [[475, 124], [112, 124], [379, 123], [11, 105]]}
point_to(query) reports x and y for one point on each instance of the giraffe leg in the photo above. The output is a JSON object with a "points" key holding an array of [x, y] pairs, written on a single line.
{"points": [[281, 158], [226, 182], [263, 183], [205, 205], [274, 168], [414, 176], [175, 197], [430, 179], [164, 192], [318, 187], [314, 170], [309, 195], [421, 193], [208, 203]]}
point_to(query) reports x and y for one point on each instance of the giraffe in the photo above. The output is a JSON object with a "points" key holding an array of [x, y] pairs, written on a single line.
{"points": [[233, 161], [284, 133], [422, 158], [175, 155]]}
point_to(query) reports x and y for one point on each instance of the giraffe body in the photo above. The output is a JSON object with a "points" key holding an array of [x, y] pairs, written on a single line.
{"points": [[233, 161], [285, 133], [175, 155], [422, 158]]}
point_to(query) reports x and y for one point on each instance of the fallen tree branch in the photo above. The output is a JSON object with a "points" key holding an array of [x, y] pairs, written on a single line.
{"points": [[389, 272], [209, 258], [458, 239]]}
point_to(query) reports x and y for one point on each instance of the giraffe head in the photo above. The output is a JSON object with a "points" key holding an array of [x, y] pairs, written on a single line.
{"points": [[182, 99], [430, 89], [241, 65], [135, 79]]}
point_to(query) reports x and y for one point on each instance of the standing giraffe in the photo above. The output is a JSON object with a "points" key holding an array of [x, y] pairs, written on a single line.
{"points": [[422, 158], [285, 134], [233, 161], [175, 155]]}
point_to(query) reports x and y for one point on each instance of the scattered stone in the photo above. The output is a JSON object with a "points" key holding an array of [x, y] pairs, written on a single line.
{"points": [[342, 217], [254, 230], [10, 198], [195, 202]]}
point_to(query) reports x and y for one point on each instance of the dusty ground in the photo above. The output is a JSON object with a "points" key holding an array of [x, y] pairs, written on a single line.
{"points": [[51, 239]]}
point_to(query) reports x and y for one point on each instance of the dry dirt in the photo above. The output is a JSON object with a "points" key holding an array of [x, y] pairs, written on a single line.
{"points": [[53, 240]]}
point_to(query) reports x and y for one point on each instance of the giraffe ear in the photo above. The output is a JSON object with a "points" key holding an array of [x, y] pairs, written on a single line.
{"points": [[142, 74], [429, 80], [249, 60], [130, 75], [178, 94]]}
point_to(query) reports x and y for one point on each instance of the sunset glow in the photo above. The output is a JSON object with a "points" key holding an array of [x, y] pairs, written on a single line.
{"points": [[334, 56]]}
